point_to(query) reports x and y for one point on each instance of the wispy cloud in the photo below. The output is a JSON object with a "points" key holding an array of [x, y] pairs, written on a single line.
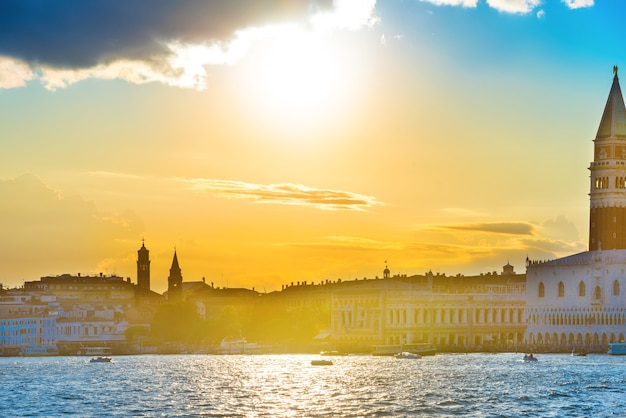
{"points": [[510, 6], [577, 4], [514, 228], [514, 6], [285, 194], [463, 3]]}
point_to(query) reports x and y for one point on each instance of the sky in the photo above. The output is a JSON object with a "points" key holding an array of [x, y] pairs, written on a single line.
{"points": [[284, 141]]}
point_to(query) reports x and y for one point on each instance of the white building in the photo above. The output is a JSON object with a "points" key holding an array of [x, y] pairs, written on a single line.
{"points": [[579, 301], [455, 313]]}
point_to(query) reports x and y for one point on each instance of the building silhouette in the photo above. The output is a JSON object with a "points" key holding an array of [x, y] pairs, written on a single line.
{"points": [[143, 267], [175, 282], [577, 302]]}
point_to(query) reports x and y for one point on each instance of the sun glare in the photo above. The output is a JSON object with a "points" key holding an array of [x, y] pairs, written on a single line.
{"points": [[297, 74]]}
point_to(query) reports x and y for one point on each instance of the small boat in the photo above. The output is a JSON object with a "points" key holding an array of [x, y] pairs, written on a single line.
{"points": [[39, 351], [240, 346], [529, 358], [423, 349], [100, 359], [617, 349], [406, 354], [578, 353], [329, 353], [321, 363]]}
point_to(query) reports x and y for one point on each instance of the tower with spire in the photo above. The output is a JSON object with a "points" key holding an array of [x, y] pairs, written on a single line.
{"points": [[607, 215], [143, 267], [175, 281]]}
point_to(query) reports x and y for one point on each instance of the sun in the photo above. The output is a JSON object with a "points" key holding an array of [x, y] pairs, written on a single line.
{"points": [[297, 75]]}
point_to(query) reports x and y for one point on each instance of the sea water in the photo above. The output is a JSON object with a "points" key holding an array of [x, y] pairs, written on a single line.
{"points": [[445, 385]]}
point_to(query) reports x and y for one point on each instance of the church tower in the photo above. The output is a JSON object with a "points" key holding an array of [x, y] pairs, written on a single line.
{"points": [[175, 282], [143, 267], [607, 215]]}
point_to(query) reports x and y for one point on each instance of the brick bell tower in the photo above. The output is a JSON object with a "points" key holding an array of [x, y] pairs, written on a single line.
{"points": [[143, 267], [607, 214]]}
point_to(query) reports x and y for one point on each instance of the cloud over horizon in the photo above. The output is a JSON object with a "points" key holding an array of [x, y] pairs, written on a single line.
{"points": [[37, 218], [515, 228], [285, 194]]}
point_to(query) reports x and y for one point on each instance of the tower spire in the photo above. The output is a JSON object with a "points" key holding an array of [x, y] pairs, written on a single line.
{"points": [[607, 218], [175, 281]]}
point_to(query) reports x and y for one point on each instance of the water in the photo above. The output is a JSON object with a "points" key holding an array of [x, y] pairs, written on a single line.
{"points": [[473, 385]]}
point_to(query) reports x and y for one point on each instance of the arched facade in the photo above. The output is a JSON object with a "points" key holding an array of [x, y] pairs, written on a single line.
{"points": [[578, 300]]}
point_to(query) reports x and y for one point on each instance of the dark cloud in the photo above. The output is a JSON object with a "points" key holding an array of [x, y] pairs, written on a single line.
{"points": [[83, 33]]}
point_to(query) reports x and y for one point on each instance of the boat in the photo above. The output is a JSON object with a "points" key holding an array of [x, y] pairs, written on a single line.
{"points": [[423, 349], [240, 346], [578, 353], [39, 351], [329, 353], [100, 359], [321, 363], [529, 358], [94, 351], [617, 349], [406, 354]]}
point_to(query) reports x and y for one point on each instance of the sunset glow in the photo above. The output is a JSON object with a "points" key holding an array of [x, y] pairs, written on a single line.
{"points": [[299, 141]]}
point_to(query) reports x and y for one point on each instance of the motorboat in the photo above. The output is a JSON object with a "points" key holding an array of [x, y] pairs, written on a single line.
{"points": [[578, 353], [423, 349], [100, 359], [94, 351], [617, 349], [333, 353], [321, 363], [240, 346], [39, 351], [528, 358], [407, 355]]}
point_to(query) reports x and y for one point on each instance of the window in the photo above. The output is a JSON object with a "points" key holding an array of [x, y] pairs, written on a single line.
{"points": [[615, 288], [542, 290], [581, 288], [597, 293], [561, 289]]}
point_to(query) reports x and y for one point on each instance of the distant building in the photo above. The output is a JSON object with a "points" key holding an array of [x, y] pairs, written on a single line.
{"points": [[175, 282], [459, 313], [580, 301]]}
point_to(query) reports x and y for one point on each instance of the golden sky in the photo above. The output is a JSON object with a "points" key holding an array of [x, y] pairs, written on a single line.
{"points": [[298, 141]]}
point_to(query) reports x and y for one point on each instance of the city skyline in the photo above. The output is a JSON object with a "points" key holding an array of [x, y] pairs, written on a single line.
{"points": [[278, 144]]}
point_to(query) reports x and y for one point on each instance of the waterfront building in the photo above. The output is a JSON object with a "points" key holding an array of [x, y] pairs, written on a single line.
{"points": [[84, 289], [580, 301], [458, 313], [27, 329]]}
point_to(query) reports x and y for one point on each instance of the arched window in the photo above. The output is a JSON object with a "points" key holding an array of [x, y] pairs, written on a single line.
{"points": [[561, 289], [581, 288], [542, 290], [615, 288], [597, 293]]}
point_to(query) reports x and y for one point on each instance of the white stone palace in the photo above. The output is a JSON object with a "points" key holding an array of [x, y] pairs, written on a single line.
{"points": [[579, 302]]}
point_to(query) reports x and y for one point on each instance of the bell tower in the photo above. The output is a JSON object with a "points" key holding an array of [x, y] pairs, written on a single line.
{"points": [[607, 214], [175, 281], [143, 267]]}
